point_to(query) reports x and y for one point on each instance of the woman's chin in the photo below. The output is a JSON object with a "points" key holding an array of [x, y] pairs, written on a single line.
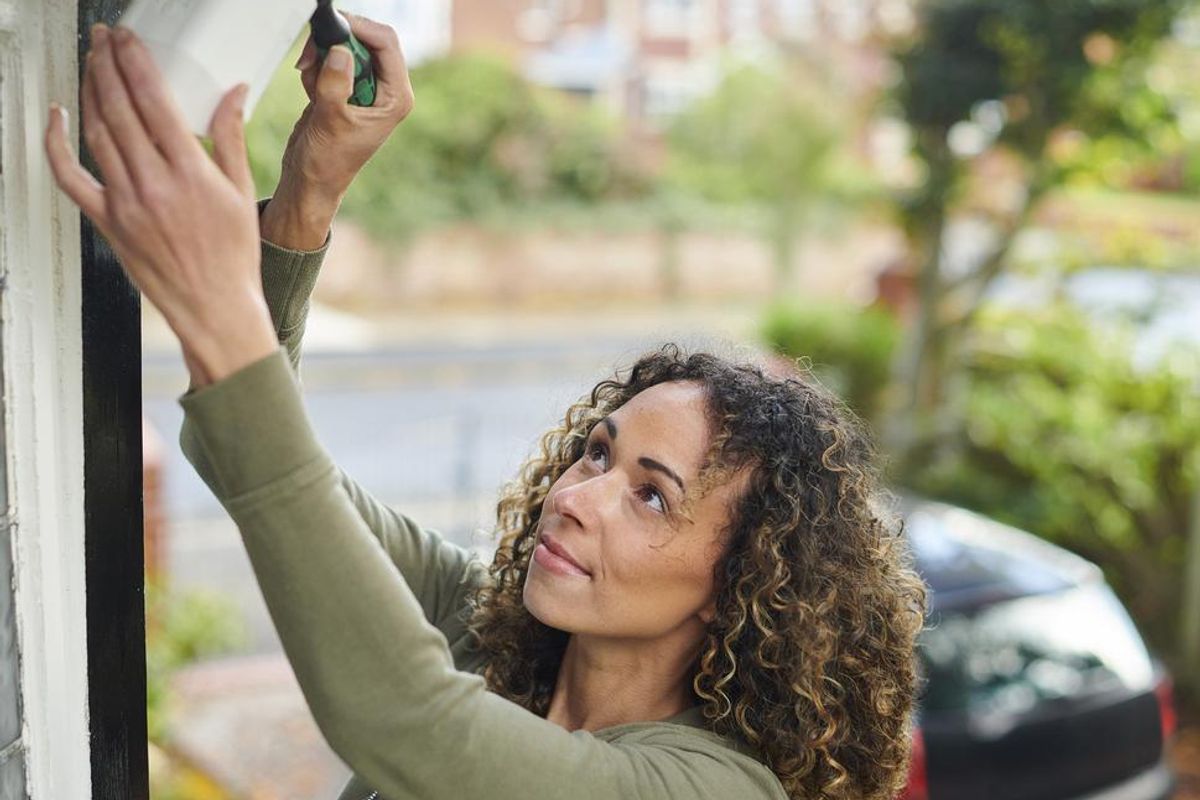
{"points": [[544, 608]]}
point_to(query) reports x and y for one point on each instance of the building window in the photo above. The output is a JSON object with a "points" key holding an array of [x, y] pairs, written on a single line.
{"points": [[670, 18], [663, 99]]}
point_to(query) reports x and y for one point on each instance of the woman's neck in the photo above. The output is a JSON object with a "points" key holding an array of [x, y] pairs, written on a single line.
{"points": [[602, 683]]}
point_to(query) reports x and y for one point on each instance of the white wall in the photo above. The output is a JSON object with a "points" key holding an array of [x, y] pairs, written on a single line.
{"points": [[39, 259]]}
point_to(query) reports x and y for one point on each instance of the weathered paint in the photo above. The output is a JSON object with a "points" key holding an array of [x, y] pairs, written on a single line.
{"points": [[43, 364], [112, 430]]}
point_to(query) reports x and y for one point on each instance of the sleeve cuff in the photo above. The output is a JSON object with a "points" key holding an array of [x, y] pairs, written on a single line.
{"points": [[253, 428], [289, 277]]}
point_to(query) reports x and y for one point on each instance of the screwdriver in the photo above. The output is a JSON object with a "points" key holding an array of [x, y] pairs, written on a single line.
{"points": [[329, 28]]}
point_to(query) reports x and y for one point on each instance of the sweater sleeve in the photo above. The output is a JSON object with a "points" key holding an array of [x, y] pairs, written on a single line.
{"points": [[440, 573], [377, 676]]}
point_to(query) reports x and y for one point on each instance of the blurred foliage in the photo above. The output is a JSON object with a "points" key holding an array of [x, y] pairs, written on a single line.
{"points": [[1086, 227], [850, 349], [767, 137], [182, 628], [1064, 435], [1166, 156], [172, 780], [765, 152], [480, 139], [1061, 433], [1036, 81], [1072, 62]]}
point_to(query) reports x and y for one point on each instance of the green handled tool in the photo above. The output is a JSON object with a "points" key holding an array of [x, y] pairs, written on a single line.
{"points": [[329, 28]]}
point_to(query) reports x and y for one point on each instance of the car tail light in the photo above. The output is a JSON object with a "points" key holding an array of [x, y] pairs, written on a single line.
{"points": [[1165, 693], [918, 784]]}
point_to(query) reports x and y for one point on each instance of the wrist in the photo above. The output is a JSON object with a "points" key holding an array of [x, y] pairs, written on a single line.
{"points": [[298, 218], [215, 352]]}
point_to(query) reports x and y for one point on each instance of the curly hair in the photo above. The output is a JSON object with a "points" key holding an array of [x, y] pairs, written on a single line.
{"points": [[811, 656]]}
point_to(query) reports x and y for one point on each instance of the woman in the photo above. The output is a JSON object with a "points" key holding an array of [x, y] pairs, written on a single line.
{"points": [[695, 592]]}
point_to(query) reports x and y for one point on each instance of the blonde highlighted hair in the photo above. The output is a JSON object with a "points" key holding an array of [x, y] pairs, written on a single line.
{"points": [[811, 657]]}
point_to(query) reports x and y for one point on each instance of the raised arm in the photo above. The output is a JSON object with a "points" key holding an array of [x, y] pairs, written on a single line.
{"points": [[328, 146], [288, 279], [439, 572]]}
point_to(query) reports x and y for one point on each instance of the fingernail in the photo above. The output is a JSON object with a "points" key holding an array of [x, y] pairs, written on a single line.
{"points": [[58, 116], [99, 34], [306, 59], [339, 58], [122, 34], [240, 101]]}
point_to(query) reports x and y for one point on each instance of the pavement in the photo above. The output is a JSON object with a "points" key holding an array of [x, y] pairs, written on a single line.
{"points": [[243, 723]]}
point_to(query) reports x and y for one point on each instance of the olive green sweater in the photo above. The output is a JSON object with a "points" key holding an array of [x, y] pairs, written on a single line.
{"points": [[370, 609]]}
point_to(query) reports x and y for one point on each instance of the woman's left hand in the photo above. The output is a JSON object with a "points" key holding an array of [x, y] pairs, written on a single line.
{"points": [[185, 226]]}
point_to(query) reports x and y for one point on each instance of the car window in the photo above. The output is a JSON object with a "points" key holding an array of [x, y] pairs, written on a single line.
{"points": [[962, 556], [1010, 656]]}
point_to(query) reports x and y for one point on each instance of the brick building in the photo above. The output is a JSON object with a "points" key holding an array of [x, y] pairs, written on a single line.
{"points": [[646, 59], [643, 59]]}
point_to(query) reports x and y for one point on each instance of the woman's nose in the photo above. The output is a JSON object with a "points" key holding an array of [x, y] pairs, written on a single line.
{"points": [[584, 501]]}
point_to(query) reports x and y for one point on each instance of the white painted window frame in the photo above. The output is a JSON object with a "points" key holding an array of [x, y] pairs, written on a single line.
{"points": [[40, 261]]}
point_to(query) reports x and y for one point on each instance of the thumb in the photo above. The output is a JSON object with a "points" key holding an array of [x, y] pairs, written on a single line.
{"points": [[228, 135], [335, 82]]}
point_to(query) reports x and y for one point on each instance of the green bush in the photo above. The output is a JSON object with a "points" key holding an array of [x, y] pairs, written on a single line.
{"points": [[769, 136], [182, 628], [850, 348], [481, 139], [1066, 435]]}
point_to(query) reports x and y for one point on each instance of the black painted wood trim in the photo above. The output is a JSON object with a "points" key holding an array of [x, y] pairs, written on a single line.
{"points": [[112, 475]]}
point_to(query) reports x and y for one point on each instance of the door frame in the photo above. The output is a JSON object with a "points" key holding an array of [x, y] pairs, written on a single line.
{"points": [[72, 361]]}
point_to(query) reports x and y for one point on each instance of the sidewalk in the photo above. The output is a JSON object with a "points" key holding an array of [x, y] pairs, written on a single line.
{"points": [[243, 723]]}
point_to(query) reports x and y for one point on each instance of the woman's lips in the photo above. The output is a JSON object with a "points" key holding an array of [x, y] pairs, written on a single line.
{"points": [[553, 557]]}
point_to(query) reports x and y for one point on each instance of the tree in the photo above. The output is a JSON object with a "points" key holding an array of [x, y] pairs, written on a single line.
{"points": [[1073, 437], [482, 139], [1007, 79], [765, 137]]}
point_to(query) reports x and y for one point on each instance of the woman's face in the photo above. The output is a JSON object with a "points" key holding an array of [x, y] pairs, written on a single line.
{"points": [[629, 514]]}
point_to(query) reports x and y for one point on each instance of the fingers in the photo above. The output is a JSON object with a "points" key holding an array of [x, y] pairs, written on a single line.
{"points": [[335, 81], [141, 158], [308, 54], [309, 66], [151, 98], [384, 45], [229, 140], [308, 79], [100, 142], [69, 174]]}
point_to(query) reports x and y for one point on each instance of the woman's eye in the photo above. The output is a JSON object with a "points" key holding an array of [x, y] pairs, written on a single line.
{"points": [[653, 496], [595, 451]]}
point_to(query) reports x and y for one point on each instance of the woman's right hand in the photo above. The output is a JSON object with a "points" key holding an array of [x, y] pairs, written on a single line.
{"points": [[332, 140]]}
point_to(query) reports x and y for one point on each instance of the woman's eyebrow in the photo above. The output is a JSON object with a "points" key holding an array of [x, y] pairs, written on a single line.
{"points": [[648, 463]]}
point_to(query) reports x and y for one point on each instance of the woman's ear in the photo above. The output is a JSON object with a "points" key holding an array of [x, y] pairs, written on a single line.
{"points": [[709, 612]]}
